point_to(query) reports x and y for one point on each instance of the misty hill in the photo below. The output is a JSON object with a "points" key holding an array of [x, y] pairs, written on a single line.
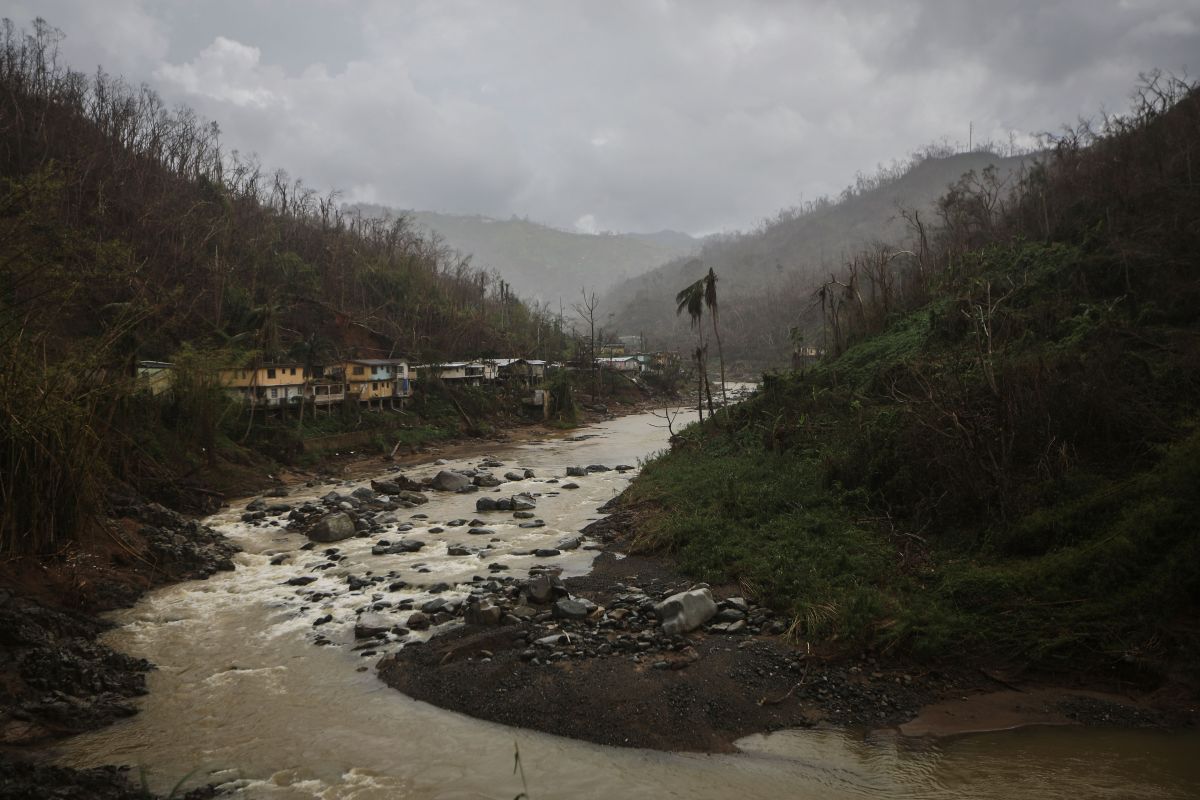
{"points": [[766, 276], [543, 263]]}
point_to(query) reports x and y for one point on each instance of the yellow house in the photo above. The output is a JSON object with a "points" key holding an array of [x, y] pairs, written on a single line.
{"points": [[377, 379], [269, 386]]}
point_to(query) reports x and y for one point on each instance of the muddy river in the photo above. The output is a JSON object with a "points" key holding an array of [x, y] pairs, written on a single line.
{"points": [[243, 696]]}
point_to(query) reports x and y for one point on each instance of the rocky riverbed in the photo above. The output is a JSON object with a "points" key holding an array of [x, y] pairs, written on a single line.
{"points": [[56, 678]]}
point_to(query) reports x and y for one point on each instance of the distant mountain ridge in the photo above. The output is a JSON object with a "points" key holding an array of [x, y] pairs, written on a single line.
{"points": [[544, 263], [767, 275]]}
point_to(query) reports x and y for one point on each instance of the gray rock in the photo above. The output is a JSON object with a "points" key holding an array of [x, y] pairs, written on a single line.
{"points": [[257, 504], [458, 550], [487, 481], [546, 552], [481, 532], [544, 588], [686, 611], [570, 608], [433, 606], [416, 498], [523, 515], [522, 502], [333, 527], [417, 621], [576, 472], [597, 468], [483, 613], [529, 474], [729, 615], [514, 476], [537, 523], [371, 624], [447, 481], [363, 493], [570, 486], [485, 504], [739, 603], [570, 543]]}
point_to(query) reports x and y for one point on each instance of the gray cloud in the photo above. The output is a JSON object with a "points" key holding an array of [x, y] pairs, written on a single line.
{"points": [[636, 115]]}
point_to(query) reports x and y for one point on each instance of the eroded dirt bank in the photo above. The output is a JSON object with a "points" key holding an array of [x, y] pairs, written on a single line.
{"points": [[56, 678]]}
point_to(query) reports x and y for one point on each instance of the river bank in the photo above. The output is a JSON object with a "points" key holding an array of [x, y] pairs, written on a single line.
{"points": [[275, 658], [626, 683], [56, 677]]}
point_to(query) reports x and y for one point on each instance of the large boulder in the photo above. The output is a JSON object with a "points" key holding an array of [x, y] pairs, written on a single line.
{"points": [[487, 480], [447, 481], [333, 527], [576, 472], [522, 502], [544, 588], [686, 611]]}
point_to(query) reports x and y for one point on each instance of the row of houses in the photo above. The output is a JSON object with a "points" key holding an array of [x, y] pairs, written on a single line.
{"points": [[378, 382], [375, 382]]}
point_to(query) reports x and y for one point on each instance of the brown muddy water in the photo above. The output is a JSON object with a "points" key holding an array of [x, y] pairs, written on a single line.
{"points": [[243, 698]]}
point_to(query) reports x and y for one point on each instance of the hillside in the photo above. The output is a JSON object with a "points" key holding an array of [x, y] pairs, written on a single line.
{"points": [[127, 233], [545, 264], [767, 276], [1000, 470]]}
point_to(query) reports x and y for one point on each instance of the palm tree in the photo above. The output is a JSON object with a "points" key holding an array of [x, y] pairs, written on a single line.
{"points": [[691, 297], [710, 301]]}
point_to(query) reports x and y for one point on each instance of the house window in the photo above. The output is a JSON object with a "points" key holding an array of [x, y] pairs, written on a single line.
{"points": [[293, 370], [358, 370], [274, 393], [270, 374]]}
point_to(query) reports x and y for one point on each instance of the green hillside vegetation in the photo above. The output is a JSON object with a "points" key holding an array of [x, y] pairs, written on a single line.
{"points": [[544, 264], [999, 457], [768, 275], [127, 233]]}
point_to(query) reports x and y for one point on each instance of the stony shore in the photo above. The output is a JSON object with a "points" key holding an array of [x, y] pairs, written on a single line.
{"points": [[56, 678], [593, 645]]}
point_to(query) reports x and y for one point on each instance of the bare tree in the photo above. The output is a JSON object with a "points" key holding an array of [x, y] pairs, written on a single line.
{"points": [[586, 310]]}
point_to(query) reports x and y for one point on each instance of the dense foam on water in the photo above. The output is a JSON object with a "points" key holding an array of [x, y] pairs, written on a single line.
{"points": [[244, 697]]}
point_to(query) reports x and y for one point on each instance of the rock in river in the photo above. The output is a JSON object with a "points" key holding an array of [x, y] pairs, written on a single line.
{"points": [[371, 624], [448, 481], [522, 502], [333, 528]]}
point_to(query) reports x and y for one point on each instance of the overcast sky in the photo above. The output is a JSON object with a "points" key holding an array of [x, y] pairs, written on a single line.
{"points": [[637, 115]]}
